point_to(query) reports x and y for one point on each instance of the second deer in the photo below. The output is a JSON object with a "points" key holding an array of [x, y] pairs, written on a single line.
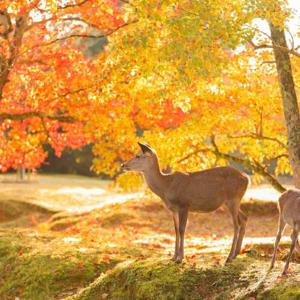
{"points": [[203, 191], [289, 213]]}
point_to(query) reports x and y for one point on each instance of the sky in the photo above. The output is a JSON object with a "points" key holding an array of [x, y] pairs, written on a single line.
{"points": [[293, 25]]}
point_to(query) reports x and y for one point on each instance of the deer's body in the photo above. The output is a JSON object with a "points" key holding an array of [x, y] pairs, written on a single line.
{"points": [[289, 213], [203, 191]]}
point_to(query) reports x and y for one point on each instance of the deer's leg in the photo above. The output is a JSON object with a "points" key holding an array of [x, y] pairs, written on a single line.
{"points": [[183, 215], [176, 225], [281, 226], [293, 244], [236, 228], [242, 218]]}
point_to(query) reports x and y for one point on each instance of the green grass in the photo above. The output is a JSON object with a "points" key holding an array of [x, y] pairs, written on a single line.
{"points": [[41, 267], [32, 273], [156, 279]]}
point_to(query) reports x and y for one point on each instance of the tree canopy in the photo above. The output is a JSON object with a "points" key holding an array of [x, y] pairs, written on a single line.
{"points": [[196, 79]]}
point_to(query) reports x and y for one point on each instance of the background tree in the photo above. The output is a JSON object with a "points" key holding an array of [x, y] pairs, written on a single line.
{"points": [[198, 56], [45, 77]]}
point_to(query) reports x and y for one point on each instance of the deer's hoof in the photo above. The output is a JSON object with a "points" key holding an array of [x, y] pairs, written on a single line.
{"points": [[284, 273], [174, 258]]}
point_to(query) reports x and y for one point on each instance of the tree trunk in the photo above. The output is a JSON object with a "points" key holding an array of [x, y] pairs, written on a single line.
{"points": [[289, 99], [21, 173]]}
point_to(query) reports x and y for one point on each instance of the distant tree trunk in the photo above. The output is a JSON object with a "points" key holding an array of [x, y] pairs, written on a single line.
{"points": [[289, 99], [21, 173]]}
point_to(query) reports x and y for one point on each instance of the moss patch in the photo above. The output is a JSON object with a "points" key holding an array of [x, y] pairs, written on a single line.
{"points": [[281, 292], [12, 210], [32, 273], [164, 280]]}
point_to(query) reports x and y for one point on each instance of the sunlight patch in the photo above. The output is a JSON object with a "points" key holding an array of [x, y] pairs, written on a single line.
{"points": [[71, 239]]}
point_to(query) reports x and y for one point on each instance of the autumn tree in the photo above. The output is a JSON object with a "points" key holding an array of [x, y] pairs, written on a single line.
{"points": [[45, 78], [199, 57]]}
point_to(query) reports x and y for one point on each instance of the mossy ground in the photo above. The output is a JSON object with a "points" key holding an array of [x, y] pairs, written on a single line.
{"points": [[123, 251]]}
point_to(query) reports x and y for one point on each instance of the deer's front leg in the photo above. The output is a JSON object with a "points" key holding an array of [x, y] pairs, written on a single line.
{"points": [[176, 226], [183, 215]]}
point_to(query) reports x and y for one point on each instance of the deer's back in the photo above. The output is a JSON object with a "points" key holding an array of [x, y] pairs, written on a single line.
{"points": [[207, 190]]}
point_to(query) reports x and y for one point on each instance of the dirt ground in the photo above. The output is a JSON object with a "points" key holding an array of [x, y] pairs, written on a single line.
{"points": [[121, 249]]}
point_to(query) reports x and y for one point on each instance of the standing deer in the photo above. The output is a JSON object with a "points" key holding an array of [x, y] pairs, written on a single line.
{"points": [[289, 213], [202, 191]]}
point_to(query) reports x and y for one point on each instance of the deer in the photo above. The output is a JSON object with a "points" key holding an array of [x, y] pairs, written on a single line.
{"points": [[289, 213], [202, 191]]}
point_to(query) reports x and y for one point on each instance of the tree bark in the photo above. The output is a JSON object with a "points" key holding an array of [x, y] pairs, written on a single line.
{"points": [[21, 173], [289, 99]]}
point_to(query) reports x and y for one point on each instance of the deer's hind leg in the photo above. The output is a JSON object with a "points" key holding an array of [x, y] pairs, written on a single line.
{"points": [[242, 218], [293, 244], [234, 211], [176, 226], [183, 216], [281, 226]]}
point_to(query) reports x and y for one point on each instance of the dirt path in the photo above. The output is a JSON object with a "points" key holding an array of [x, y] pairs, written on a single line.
{"points": [[74, 194]]}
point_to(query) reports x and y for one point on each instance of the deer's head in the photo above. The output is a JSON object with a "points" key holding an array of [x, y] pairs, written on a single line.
{"points": [[142, 161]]}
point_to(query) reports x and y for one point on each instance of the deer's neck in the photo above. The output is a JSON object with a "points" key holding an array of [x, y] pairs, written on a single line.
{"points": [[156, 180]]}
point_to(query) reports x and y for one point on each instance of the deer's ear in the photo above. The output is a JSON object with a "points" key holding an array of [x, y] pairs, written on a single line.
{"points": [[145, 148]]}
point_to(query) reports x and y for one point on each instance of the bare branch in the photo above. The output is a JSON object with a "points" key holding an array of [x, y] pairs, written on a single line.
{"points": [[255, 136], [193, 153], [268, 62], [86, 35], [73, 5], [279, 156], [62, 20], [292, 40], [33, 61], [247, 163], [5, 21], [71, 93], [41, 115], [78, 4], [258, 30], [267, 46]]}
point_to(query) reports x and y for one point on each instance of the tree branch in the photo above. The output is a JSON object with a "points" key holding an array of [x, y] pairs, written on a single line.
{"points": [[73, 5], [255, 136], [92, 36], [247, 163], [5, 21], [66, 6], [266, 46], [24, 116], [61, 20]]}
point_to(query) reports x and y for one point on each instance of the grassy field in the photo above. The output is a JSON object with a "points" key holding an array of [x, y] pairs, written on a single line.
{"points": [[122, 250]]}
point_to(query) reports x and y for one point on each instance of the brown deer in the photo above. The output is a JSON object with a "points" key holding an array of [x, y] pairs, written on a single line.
{"points": [[289, 213], [202, 191]]}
